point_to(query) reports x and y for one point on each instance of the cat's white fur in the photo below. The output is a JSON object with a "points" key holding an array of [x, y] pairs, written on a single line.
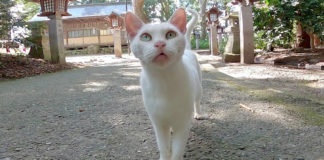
{"points": [[171, 89], [190, 26]]}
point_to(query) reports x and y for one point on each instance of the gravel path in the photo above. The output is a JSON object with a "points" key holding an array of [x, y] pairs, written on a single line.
{"points": [[96, 112]]}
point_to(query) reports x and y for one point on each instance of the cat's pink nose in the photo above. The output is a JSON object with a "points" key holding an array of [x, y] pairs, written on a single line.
{"points": [[159, 45]]}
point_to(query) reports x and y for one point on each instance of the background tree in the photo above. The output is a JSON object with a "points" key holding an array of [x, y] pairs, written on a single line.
{"points": [[202, 6], [137, 9], [6, 21], [275, 22], [310, 15]]}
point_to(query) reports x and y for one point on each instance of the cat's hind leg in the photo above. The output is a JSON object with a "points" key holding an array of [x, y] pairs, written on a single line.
{"points": [[197, 111]]}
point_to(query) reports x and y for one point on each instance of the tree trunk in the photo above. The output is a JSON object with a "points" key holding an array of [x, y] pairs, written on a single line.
{"points": [[302, 38], [317, 41], [312, 41], [203, 4], [165, 10], [138, 10]]}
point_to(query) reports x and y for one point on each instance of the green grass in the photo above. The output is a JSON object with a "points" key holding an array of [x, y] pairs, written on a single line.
{"points": [[203, 43], [304, 107]]}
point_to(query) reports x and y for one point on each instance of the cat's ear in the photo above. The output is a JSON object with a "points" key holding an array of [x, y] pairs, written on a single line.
{"points": [[133, 24], [179, 19]]}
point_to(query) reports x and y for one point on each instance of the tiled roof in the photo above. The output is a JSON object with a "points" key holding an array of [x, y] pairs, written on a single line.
{"points": [[89, 11]]}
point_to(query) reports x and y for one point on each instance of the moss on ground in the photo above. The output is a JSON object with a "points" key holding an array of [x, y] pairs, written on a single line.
{"points": [[309, 108]]}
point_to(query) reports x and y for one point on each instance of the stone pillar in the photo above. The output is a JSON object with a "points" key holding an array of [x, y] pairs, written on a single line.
{"points": [[197, 36], [46, 45], [246, 34], [117, 43], [232, 48], [197, 43], [55, 30], [219, 39], [213, 39]]}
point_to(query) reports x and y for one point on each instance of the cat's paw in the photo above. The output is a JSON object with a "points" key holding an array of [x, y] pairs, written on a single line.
{"points": [[199, 116]]}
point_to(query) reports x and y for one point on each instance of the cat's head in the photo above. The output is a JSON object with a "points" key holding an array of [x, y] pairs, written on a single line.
{"points": [[157, 44]]}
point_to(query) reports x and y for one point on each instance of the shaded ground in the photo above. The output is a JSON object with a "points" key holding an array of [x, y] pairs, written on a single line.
{"points": [[97, 113], [307, 59]]}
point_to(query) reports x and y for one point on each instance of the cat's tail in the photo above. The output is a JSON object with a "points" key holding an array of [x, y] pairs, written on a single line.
{"points": [[190, 26]]}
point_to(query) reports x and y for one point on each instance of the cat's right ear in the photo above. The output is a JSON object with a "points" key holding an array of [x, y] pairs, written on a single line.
{"points": [[133, 24]]}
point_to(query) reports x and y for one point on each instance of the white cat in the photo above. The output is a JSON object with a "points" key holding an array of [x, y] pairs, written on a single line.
{"points": [[170, 78]]}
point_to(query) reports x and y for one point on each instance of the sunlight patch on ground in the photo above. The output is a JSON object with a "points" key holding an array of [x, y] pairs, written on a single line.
{"points": [[274, 90], [100, 60], [94, 86], [208, 58], [115, 119], [132, 87], [219, 115], [71, 90], [206, 67], [131, 74], [269, 72], [317, 85], [265, 113]]}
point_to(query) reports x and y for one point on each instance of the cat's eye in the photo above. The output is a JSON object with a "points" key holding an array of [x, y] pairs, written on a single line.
{"points": [[146, 37], [170, 35]]}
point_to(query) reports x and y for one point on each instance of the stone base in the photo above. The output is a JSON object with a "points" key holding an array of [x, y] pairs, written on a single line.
{"points": [[230, 57]]}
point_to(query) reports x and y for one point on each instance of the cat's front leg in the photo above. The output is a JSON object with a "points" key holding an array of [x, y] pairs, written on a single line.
{"points": [[163, 135], [180, 136]]}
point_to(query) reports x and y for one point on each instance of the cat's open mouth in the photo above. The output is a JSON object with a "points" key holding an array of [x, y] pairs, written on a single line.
{"points": [[161, 58]]}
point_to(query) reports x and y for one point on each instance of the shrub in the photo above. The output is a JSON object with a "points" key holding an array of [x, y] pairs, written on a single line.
{"points": [[203, 43]]}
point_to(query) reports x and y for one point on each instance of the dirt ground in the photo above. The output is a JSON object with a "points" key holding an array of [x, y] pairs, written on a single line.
{"points": [[96, 112]]}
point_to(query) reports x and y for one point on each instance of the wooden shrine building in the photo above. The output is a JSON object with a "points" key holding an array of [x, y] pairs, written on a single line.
{"points": [[92, 24]]}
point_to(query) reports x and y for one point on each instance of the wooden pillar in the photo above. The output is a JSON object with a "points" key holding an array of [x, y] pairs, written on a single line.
{"points": [[117, 43]]}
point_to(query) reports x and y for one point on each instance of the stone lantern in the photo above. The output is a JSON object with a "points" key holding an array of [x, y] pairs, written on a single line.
{"points": [[54, 10], [213, 14], [246, 30], [51, 7], [232, 48], [114, 20], [115, 23]]}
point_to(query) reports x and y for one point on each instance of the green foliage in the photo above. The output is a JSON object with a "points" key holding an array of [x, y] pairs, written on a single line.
{"points": [[311, 15], [30, 8], [274, 25], [275, 22], [203, 43], [259, 42], [223, 44], [5, 18], [10, 17], [162, 9]]}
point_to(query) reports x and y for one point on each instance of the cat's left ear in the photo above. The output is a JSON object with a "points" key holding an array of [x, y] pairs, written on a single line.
{"points": [[179, 19]]}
